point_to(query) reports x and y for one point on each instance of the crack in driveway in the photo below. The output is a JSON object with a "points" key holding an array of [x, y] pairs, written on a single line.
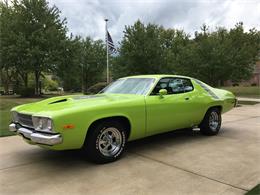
{"points": [[189, 171]]}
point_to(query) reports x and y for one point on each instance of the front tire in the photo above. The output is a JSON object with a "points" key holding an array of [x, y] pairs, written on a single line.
{"points": [[211, 122], [105, 142]]}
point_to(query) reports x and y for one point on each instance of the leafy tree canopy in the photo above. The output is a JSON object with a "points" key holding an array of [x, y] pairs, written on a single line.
{"points": [[211, 56]]}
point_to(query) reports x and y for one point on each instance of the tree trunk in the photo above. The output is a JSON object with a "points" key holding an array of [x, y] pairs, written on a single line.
{"points": [[25, 80], [37, 78], [24, 76], [6, 87], [85, 83], [5, 80]]}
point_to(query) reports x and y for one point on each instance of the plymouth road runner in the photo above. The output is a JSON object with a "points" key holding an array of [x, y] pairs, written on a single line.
{"points": [[129, 108]]}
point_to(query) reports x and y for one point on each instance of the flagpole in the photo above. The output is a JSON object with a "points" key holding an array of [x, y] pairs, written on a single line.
{"points": [[106, 20]]}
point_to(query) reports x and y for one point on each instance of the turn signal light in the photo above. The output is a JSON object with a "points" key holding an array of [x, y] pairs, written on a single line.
{"points": [[69, 126]]}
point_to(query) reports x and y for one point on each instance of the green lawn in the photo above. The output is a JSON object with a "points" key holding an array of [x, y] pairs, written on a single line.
{"points": [[6, 103], [254, 191], [250, 92]]}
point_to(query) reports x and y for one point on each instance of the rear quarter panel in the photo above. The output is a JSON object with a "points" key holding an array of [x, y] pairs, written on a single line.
{"points": [[216, 97], [203, 101], [227, 97]]}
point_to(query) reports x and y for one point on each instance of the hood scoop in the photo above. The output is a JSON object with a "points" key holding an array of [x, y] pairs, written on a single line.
{"points": [[58, 101]]}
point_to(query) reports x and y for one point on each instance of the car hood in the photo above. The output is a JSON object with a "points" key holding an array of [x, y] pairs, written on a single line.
{"points": [[60, 104]]}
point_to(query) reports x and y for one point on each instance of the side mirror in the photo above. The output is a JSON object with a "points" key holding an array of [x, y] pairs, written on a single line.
{"points": [[162, 92]]}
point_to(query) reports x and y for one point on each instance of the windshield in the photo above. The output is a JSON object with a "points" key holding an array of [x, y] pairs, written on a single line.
{"points": [[138, 86]]}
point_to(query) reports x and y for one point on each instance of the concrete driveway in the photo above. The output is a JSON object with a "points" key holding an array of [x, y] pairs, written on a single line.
{"points": [[172, 163]]}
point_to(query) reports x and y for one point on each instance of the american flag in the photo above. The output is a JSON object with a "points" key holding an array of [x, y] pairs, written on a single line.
{"points": [[110, 43]]}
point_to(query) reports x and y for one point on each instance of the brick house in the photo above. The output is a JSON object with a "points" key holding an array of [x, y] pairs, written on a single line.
{"points": [[253, 81]]}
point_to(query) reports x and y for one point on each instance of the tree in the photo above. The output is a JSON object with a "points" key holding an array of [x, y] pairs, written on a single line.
{"points": [[213, 57], [93, 62], [141, 51], [175, 49], [83, 63], [45, 31], [222, 55], [210, 54], [244, 51], [6, 61], [69, 68], [33, 39]]}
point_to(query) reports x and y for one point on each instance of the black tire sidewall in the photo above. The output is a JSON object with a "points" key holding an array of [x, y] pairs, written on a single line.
{"points": [[92, 142], [205, 127]]}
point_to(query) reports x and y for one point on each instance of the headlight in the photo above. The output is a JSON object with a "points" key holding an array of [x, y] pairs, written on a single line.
{"points": [[42, 124], [14, 116]]}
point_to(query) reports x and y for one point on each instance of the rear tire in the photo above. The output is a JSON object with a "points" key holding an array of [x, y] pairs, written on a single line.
{"points": [[211, 122], [105, 142]]}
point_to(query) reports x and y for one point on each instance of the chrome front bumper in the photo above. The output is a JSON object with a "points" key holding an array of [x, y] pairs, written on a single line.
{"points": [[36, 137]]}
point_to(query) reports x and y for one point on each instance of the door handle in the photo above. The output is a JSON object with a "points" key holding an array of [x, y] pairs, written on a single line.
{"points": [[187, 98]]}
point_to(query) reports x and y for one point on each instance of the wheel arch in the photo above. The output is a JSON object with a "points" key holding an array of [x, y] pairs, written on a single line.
{"points": [[220, 107], [122, 119]]}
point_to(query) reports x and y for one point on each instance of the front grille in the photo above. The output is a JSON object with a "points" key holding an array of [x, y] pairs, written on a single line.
{"points": [[25, 120]]}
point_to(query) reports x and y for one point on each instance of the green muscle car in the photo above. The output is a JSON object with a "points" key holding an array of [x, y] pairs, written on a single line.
{"points": [[130, 108]]}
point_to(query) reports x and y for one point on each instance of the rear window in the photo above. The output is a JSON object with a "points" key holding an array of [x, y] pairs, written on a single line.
{"points": [[206, 88]]}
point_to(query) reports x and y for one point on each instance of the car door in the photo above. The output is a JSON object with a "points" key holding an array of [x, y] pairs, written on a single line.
{"points": [[171, 111]]}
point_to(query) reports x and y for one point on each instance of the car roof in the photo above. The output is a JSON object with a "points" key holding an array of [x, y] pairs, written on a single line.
{"points": [[157, 76]]}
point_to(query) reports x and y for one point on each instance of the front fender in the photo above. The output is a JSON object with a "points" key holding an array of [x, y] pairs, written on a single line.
{"points": [[73, 138]]}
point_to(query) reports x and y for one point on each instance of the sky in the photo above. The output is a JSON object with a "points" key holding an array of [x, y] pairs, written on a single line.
{"points": [[86, 17]]}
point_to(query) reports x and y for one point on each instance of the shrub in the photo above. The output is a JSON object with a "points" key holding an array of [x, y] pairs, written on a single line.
{"points": [[50, 85], [26, 91]]}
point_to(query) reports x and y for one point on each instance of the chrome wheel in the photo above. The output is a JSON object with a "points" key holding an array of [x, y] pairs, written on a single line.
{"points": [[213, 121], [110, 141]]}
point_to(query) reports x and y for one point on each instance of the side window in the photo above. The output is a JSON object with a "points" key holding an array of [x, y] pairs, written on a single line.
{"points": [[187, 85], [176, 86], [173, 86], [180, 85], [162, 84]]}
